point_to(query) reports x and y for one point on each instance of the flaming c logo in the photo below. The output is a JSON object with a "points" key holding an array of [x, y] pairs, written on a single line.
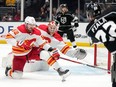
{"points": [[47, 38]]}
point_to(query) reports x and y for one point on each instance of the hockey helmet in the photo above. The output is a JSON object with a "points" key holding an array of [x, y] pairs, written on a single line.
{"points": [[63, 5], [93, 10], [63, 8], [30, 20]]}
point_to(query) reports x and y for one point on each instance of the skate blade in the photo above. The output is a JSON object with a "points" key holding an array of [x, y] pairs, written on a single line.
{"points": [[65, 76]]}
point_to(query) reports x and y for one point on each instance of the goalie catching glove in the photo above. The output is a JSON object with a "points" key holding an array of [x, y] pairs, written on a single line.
{"points": [[79, 53], [26, 44]]}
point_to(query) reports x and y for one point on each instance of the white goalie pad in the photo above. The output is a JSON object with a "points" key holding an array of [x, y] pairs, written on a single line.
{"points": [[34, 65], [31, 66], [7, 61]]}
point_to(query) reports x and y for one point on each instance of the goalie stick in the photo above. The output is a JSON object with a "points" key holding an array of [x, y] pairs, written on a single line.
{"points": [[85, 64]]}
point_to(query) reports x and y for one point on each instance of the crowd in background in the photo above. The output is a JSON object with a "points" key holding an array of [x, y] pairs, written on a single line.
{"points": [[40, 9]]}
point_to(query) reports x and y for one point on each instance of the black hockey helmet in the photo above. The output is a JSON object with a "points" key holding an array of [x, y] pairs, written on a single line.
{"points": [[93, 10], [63, 5], [63, 8]]}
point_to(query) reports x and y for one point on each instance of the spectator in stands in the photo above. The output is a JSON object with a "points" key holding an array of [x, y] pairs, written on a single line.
{"points": [[54, 12], [81, 15], [42, 15], [47, 9], [10, 16], [17, 16], [10, 2], [5, 17]]}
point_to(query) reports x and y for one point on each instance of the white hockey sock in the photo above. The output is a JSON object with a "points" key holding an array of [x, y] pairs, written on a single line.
{"points": [[74, 43], [55, 66]]}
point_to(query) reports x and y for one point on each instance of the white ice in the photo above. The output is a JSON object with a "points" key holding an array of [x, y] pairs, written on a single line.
{"points": [[81, 75]]}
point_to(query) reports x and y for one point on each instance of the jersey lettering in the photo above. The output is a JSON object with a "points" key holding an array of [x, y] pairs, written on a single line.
{"points": [[98, 23]]}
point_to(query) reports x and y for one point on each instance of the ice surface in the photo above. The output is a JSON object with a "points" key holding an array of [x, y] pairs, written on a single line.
{"points": [[81, 76]]}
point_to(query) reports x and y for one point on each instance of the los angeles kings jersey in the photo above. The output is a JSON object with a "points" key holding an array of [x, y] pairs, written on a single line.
{"points": [[103, 29], [65, 20]]}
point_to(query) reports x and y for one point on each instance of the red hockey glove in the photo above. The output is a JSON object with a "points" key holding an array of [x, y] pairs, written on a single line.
{"points": [[55, 54], [26, 44]]}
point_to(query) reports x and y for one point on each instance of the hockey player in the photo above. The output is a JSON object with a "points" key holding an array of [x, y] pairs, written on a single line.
{"points": [[26, 42], [49, 32], [103, 29], [64, 18]]}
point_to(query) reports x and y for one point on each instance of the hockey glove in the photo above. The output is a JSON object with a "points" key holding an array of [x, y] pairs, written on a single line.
{"points": [[55, 54], [79, 53], [76, 24], [26, 44]]}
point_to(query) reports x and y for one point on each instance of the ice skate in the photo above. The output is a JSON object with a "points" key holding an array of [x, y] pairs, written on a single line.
{"points": [[63, 73], [6, 70]]}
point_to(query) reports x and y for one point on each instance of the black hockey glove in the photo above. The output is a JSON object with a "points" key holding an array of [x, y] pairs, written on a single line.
{"points": [[76, 25]]}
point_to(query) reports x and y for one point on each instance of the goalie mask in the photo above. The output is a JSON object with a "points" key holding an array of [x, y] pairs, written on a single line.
{"points": [[52, 27]]}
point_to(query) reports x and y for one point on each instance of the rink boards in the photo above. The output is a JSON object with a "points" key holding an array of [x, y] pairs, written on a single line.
{"points": [[81, 37]]}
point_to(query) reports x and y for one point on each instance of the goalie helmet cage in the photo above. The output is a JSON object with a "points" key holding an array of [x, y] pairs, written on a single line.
{"points": [[108, 58]]}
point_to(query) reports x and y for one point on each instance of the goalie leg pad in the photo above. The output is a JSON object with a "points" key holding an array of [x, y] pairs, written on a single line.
{"points": [[33, 66], [17, 74], [7, 61], [13, 74]]}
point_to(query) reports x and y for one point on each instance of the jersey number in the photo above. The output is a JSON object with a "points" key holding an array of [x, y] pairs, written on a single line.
{"points": [[109, 27]]}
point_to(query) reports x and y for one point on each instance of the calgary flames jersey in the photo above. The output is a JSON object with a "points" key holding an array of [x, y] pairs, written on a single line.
{"points": [[55, 40], [21, 34]]}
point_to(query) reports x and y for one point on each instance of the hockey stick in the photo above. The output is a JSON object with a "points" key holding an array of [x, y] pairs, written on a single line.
{"points": [[85, 64]]}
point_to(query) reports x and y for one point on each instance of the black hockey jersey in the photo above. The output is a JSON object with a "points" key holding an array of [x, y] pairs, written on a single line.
{"points": [[103, 29], [65, 20]]}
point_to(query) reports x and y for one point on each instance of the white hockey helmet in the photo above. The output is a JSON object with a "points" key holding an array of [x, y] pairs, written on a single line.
{"points": [[30, 20]]}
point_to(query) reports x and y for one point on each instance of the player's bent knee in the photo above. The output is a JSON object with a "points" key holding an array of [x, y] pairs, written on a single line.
{"points": [[17, 74]]}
